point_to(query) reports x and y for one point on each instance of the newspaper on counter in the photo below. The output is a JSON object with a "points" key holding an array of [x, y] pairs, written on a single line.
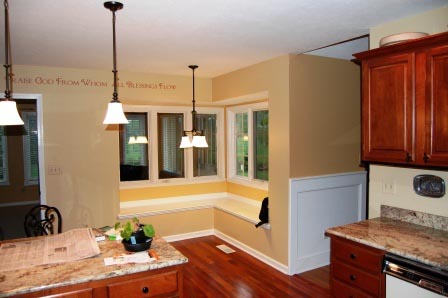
{"points": [[69, 246]]}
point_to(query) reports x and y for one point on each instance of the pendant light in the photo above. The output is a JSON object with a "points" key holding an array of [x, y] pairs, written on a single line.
{"points": [[115, 114], [8, 107], [198, 138]]}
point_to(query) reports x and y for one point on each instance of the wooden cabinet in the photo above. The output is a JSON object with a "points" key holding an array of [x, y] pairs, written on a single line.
{"points": [[356, 270], [166, 282], [404, 103]]}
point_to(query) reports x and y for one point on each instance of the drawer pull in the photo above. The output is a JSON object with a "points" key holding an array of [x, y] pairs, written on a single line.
{"points": [[352, 256], [145, 290], [352, 277]]}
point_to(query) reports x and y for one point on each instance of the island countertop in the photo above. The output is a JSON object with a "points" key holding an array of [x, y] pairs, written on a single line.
{"points": [[56, 275], [416, 242]]}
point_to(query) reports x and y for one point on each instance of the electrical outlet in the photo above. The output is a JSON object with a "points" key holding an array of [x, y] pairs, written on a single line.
{"points": [[54, 170], [389, 186]]}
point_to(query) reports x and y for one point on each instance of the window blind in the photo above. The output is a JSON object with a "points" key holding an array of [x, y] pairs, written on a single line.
{"points": [[3, 158], [30, 149]]}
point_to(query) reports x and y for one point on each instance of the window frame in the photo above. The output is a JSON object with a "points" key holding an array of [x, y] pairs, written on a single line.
{"points": [[231, 145], [153, 149]]}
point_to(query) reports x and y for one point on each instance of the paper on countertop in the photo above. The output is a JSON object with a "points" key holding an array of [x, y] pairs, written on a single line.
{"points": [[139, 257]]}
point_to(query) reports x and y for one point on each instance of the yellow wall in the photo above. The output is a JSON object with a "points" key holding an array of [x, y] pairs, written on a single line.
{"points": [[157, 192], [271, 76], [434, 21], [245, 191], [324, 116], [76, 140]]}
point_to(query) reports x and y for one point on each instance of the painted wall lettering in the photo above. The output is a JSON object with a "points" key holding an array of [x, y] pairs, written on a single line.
{"points": [[87, 82]]}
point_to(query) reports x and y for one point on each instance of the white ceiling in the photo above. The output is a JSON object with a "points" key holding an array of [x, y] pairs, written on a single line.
{"points": [[165, 36]]}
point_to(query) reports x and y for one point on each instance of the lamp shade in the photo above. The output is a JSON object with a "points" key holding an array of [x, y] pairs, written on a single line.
{"points": [[132, 140], [185, 142], [199, 141], [141, 140], [115, 114], [9, 114]]}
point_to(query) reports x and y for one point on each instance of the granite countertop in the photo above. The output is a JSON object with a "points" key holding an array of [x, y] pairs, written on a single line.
{"points": [[417, 242], [51, 276]]}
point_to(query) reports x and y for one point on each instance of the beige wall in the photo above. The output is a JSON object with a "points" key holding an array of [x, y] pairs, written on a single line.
{"points": [[271, 76], [434, 21], [76, 140], [324, 116], [404, 195]]}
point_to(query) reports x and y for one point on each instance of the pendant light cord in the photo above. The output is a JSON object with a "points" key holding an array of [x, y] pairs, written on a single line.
{"points": [[7, 65], [115, 94], [193, 113]]}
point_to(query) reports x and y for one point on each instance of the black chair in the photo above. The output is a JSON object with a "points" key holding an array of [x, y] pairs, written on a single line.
{"points": [[41, 220]]}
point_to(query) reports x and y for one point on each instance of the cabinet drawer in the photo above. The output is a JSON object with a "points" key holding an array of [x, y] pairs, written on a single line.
{"points": [[362, 257], [85, 293], [342, 290], [150, 286], [357, 278]]}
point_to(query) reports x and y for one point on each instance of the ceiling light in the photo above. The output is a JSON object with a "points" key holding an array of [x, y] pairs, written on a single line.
{"points": [[9, 115], [198, 138], [115, 114], [138, 140]]}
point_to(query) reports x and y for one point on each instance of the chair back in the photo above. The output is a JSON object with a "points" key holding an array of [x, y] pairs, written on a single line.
{"points": [[41, 220]]}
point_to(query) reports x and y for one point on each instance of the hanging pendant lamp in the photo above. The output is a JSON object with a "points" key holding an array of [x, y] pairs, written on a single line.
{"points": [[115, 114], [9, 115], [198, 138]]}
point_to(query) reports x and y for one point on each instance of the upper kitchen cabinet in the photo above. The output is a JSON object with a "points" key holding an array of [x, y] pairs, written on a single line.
{"points": [[405, 103]]}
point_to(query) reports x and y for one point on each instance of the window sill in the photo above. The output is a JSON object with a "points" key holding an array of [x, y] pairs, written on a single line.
{"points": [[254, 183], [167, 182]]}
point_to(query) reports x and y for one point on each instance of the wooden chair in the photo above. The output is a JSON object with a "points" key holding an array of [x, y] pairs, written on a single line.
{"points": [[41, 220]]}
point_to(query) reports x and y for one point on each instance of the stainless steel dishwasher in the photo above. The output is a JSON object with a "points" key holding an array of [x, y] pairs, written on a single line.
{"points": [[411, 279]]}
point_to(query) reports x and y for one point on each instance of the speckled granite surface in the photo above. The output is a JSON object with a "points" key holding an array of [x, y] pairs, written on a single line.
{"points": [[416, 242], [416, 217], [49, 276]]}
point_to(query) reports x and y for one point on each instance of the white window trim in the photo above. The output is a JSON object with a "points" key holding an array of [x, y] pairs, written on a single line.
{"points": [[188, 153], [5, 181], [231, 145]]}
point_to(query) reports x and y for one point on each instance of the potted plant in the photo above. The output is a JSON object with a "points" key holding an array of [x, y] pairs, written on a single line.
{"points": [[136, 236]]}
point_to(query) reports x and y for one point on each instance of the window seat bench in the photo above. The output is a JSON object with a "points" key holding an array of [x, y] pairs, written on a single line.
{"points": [[241, 207]]}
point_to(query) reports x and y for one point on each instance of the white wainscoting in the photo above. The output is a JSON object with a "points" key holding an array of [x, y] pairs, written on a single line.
{"points": [[315, 204]]}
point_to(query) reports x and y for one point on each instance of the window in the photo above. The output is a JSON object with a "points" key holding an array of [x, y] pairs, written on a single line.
{"points": [[134, 148], [171, 157], [248, 153], [261, 145], [242, 144], [205, 159], [30, 149], [161, 160], [3, 158]]}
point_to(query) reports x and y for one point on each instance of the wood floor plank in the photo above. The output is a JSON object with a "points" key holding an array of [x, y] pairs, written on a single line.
{"points": [[212, 273]]}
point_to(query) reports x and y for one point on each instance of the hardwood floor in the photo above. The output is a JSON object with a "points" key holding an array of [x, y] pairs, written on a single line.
{"points": [[213, 273]]}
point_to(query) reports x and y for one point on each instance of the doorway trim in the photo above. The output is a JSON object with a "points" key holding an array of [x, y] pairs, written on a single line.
{"points": [[40, 140]]}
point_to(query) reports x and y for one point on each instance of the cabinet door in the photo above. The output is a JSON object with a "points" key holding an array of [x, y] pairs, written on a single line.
{"points": [[387, 109], [436, 114]]}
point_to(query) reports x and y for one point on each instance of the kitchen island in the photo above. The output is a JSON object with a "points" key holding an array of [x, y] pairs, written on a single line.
{"points": [[91, 278]]}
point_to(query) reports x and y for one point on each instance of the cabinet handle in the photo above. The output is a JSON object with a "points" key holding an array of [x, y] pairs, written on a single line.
{"points": [[352, 277], [425, 157], [352, 256], [408, 157], [145, 290]]}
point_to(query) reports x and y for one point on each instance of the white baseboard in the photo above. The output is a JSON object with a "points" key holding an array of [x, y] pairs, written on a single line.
{"points": [[191, 235], [255, 253], [313, 261]]}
